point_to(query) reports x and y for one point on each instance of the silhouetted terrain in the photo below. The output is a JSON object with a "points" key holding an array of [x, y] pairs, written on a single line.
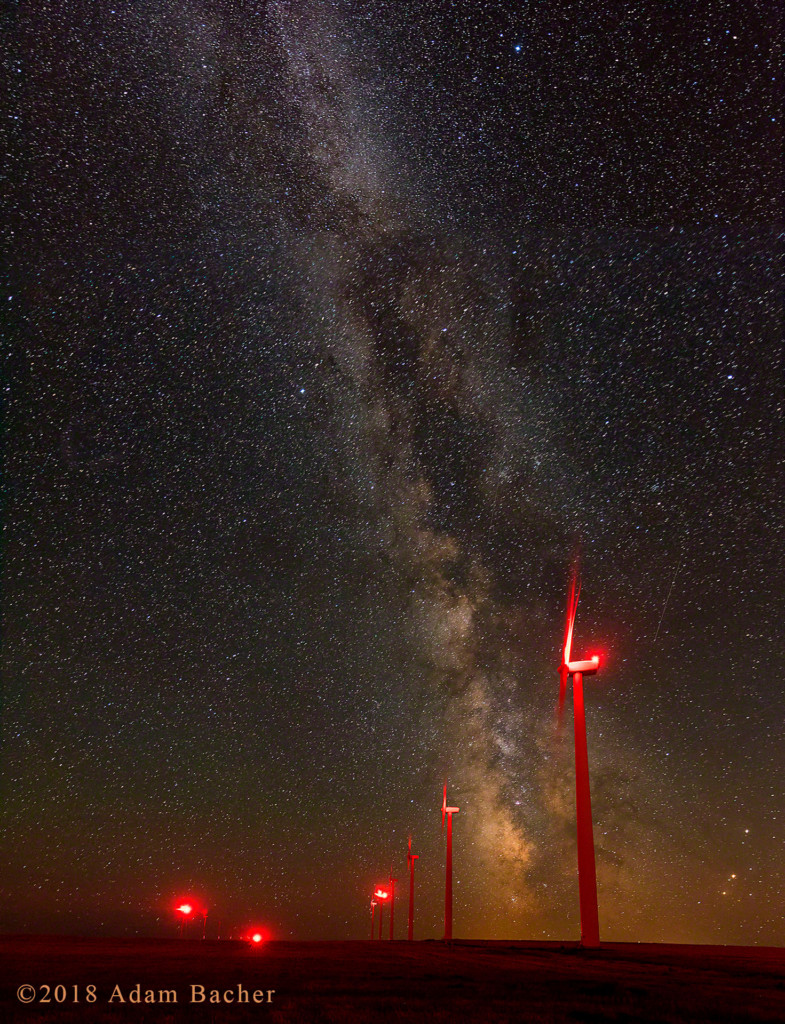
{"points": [[345, 982]]}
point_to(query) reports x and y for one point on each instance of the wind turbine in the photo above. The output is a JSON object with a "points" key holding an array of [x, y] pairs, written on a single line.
{"points": [[392, 901], [587, 872], [411, 857], [448, 812], [373, 908], [186, 909], [381, 896]]}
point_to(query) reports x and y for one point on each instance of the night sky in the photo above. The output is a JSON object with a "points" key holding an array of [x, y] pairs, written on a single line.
{"points": [[334, 329]]}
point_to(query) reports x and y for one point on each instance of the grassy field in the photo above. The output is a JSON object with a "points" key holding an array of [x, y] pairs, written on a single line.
{"points": [[400, 982]]}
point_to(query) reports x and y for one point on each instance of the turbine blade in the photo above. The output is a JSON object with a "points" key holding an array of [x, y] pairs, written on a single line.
{"points": [[572, 606], [576, 593], [573, 595], [568, 614]]}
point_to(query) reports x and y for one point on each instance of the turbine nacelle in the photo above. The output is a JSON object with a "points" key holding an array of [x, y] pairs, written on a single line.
{"points": [[586, 668]]}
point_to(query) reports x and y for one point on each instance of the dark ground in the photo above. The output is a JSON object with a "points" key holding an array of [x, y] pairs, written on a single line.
{"points": [[400, 982]]}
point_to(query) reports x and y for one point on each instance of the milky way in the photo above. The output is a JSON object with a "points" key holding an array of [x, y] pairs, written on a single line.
{"points": [[337, 331]]}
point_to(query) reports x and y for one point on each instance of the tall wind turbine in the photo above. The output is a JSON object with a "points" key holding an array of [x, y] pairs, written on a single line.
{"points": [[587, 872], [448, 812], [411, 857], [373, 907]]}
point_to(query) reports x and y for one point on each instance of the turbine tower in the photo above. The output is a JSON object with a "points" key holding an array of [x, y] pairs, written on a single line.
{"points": [[411, 857], [587, 872], [448, 812], [373, 907]]}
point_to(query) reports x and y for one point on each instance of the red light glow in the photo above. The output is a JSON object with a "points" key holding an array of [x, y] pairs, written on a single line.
{"points": [[185, 908], [256, 937], [381, 894], [603, 658]]}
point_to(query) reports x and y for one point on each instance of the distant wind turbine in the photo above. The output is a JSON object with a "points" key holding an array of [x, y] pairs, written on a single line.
{"points": [[411, 858], [381, 896], [448, 813], [392, 901]]}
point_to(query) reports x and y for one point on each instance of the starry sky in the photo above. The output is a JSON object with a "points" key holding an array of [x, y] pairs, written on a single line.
{"points": [[334, 329]]}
